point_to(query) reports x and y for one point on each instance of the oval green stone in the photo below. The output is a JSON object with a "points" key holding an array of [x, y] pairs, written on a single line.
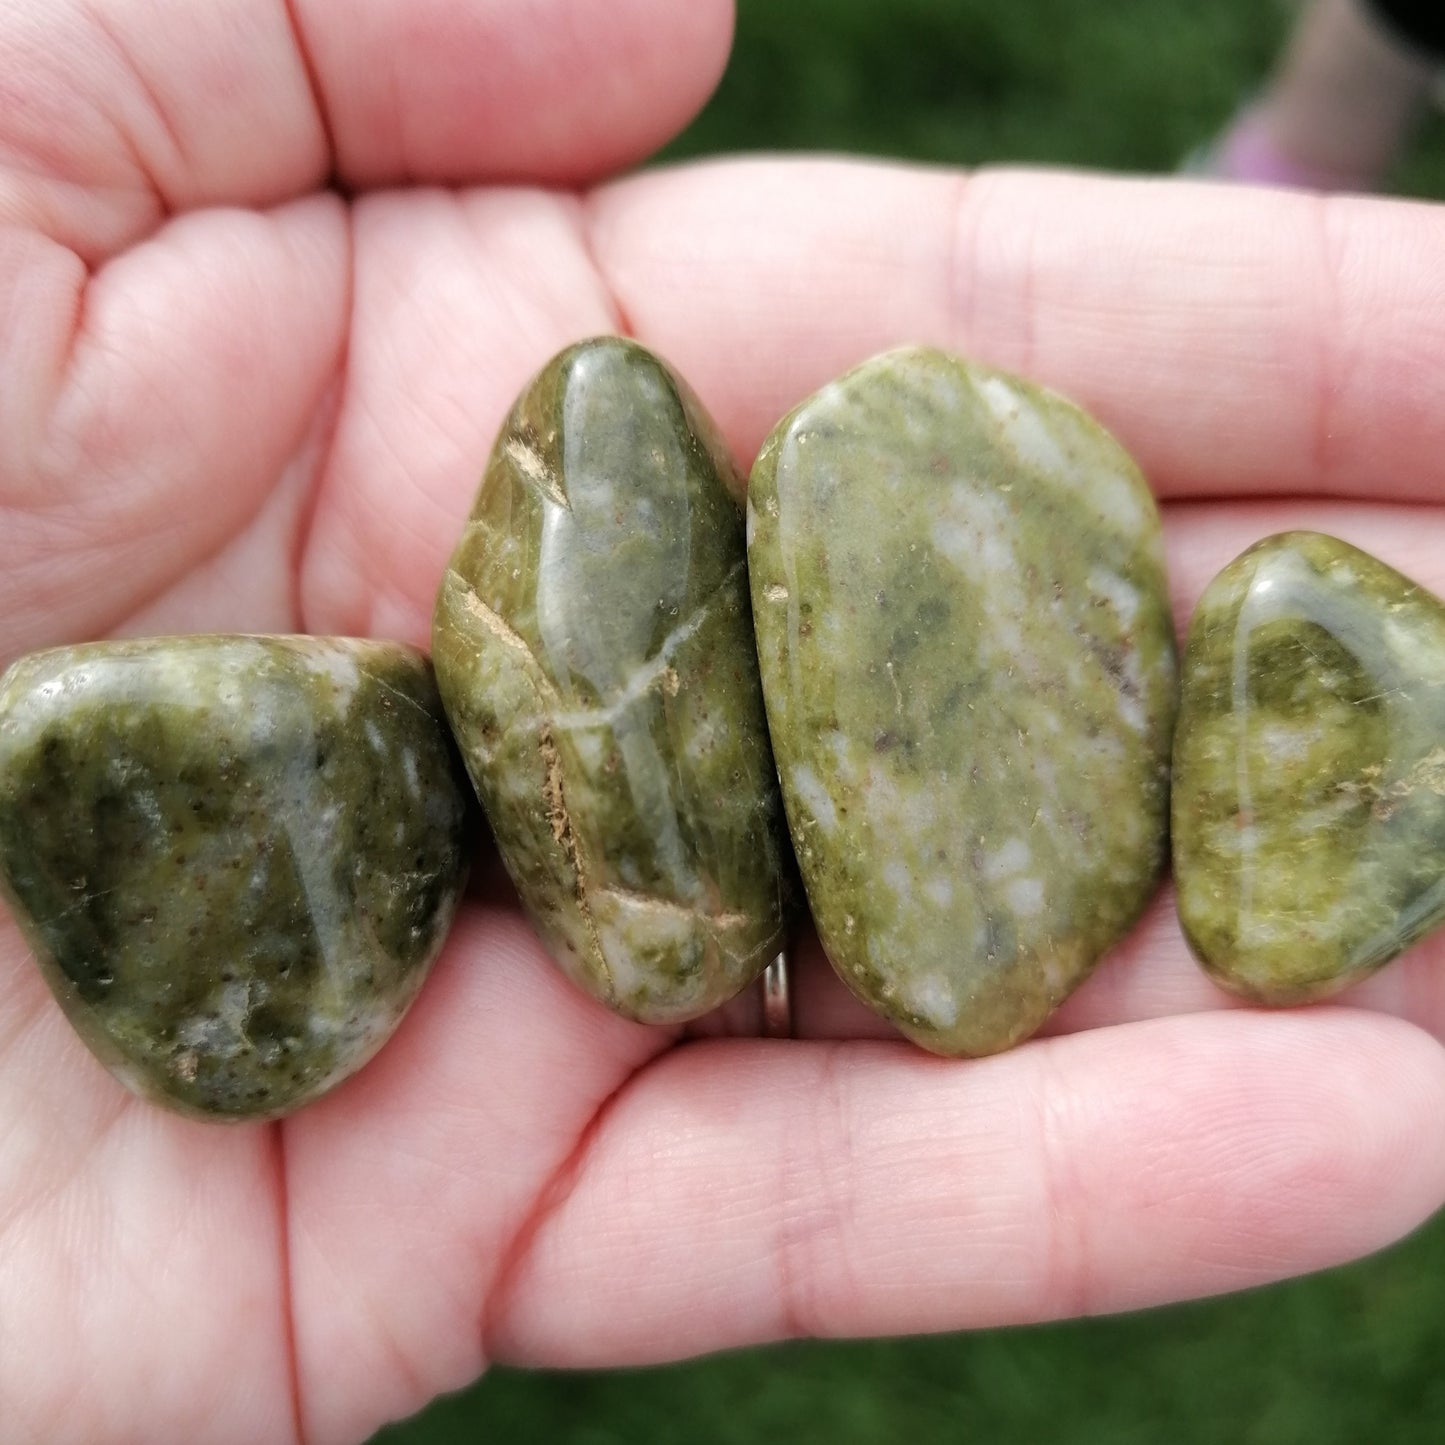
{"points": [[235, 858], [594, 649], [968, 662], [1309, 769]]}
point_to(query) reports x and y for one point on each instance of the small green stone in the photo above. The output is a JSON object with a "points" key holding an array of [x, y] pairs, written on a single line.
{"points": [[968, 661], [1309, 769], [594, 649], [235, 858]]}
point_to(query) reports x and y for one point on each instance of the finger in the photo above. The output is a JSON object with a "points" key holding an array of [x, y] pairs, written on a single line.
{"points": [[459, 298], [114, 114], [144, 1296], [1237, 340], [409, 1187], [546, 90], [155, 410], [248, 584], [741, 1192]]}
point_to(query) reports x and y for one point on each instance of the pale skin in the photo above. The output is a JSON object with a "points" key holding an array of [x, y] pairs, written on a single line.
{"points": [[233, 399]]}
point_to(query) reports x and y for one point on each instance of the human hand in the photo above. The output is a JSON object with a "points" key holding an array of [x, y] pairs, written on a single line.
{"points": [[233, 400]]}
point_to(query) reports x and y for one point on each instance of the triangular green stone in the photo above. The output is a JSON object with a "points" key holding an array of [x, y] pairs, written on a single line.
{"points": [[234, 857]]}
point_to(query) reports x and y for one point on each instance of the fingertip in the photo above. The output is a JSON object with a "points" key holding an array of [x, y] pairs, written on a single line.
{"points": [[1258, 1145], [560, 91]]}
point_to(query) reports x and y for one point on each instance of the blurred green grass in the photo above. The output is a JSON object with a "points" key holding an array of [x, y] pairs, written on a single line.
{"points": [[1348, 1358], [1340, 1359], [1122, 84]]}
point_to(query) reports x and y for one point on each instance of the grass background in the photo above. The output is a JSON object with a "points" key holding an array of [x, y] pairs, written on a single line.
{"points": [[1344, 1358]]}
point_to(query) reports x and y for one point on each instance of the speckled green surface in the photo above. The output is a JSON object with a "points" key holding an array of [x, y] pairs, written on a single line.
{"points": [[235, 858], [1309, 786], [968, 661], [594, 649]]}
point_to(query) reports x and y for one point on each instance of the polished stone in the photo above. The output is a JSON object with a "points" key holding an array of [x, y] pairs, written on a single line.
{"points": [[1309, 769], [594, 649], [968, 661], [235, 858]]}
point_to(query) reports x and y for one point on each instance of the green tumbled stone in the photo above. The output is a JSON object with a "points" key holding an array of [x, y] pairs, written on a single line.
{"points": [[1309, 769], [234, 857], [594, 649], [968, 661]]}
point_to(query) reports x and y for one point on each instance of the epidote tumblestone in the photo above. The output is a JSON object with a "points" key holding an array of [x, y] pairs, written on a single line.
{"points": [[968, 663], [594, 649], [1309, 769], [234, 857]]}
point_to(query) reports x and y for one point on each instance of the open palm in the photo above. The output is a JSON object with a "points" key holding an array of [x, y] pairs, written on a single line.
{"points": [[269, 278]]}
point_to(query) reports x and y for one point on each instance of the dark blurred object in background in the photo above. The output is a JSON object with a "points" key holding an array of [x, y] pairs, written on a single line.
{"points": [[1345, 99]]}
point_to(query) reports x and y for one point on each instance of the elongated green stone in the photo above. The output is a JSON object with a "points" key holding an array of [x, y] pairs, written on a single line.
{"points": [[1309, 769], [594, 649], [968, 662], [234, 857]]}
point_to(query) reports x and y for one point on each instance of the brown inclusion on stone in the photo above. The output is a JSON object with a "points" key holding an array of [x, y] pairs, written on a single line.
{"points": [[594, 649]]}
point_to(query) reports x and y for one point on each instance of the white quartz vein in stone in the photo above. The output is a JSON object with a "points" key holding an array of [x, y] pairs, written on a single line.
{"points": [[338, 663], [397, 693], [1037, 436], [650, 903], [809, 790], [649, 673], [532, 467], [1121, 594], [647, 777], [84, 901]]}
